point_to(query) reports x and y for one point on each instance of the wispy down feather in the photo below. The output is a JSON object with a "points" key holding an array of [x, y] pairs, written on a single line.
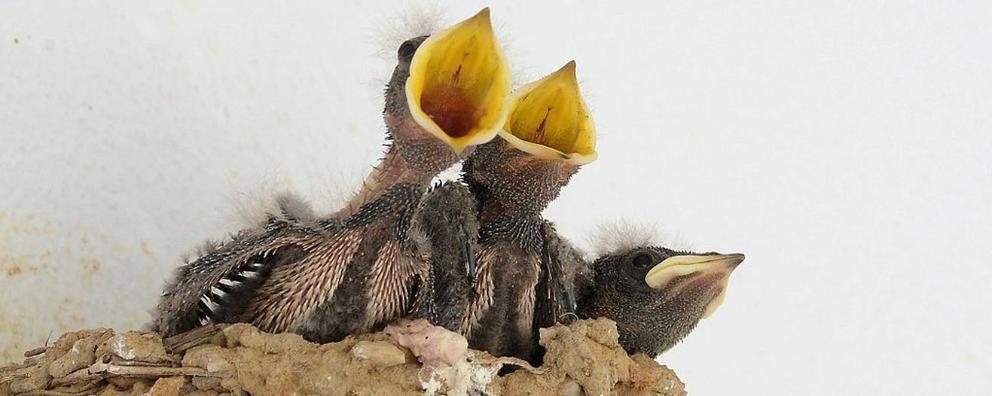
{"points": [[423, 19], [623, 235], [408, 21], [269, 200]]}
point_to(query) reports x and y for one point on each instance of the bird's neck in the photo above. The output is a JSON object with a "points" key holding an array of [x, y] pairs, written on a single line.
{"points": [[491, 209], [509, 181], [413, 157], [390, 171]]}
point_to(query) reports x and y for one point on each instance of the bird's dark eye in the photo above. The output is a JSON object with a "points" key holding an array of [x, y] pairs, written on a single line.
{"points": [[642, 260], [407, 49]]}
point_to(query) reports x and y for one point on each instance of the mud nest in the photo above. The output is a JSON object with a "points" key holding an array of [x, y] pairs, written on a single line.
{"points": [[583, 358]]}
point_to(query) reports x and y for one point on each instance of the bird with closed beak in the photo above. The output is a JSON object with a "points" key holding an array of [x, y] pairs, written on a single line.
{"points": [[655, 295], [327, 277]]}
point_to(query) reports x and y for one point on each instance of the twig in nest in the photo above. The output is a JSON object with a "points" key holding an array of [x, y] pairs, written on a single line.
{"points": [[124, 362], [77, 377], [35, 352], [182, 342], [100, 371], [152, 371]]}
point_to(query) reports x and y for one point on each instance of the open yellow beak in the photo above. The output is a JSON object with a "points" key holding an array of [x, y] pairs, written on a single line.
{"points": [[459, 84], [718, 266], [549, 119]]}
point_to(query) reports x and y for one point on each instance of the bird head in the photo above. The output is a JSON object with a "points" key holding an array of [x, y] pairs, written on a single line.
{"points": [[656, 295], [448, 92], [547, 136]]}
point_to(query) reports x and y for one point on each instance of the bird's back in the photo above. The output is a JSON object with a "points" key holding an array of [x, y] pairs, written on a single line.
{"points": [[217, 286]]}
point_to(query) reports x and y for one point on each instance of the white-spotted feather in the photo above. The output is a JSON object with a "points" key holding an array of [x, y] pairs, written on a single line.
{"points": [[209, 303], [230, 283], [218, 293]]}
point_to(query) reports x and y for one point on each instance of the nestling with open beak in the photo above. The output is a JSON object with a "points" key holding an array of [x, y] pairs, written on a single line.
{"points": [[351, 272], [517, 279]]}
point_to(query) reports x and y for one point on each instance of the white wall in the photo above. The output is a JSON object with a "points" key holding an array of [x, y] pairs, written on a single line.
{"points": [[843, 146]]}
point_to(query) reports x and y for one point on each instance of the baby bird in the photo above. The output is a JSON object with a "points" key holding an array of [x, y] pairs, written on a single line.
{"points": [[517, 279], [656, 295], [329, 277]]}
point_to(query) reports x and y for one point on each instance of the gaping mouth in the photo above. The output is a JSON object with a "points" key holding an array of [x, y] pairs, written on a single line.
{"points": [[549, 119], [696, 271], [459, 83]]}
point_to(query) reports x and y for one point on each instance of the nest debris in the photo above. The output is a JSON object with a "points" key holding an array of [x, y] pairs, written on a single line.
{"points": [[582, 358]]}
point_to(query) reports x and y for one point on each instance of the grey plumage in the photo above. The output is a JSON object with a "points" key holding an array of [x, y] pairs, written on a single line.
{"points": [[448, 217], [653, 318], [323, 282], [323, 277], [476, 257], [519, 283], [650, 319], [215, 287], [353, 271]]}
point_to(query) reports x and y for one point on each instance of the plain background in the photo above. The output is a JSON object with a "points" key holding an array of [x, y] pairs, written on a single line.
{"points": [[843, 146]]}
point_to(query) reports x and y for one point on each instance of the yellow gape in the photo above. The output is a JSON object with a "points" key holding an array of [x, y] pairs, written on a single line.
{"points": [[549, 119], [459, 83]]}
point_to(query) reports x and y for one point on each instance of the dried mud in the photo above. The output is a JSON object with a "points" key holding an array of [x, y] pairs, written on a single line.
{"points": [[583, 358]]}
